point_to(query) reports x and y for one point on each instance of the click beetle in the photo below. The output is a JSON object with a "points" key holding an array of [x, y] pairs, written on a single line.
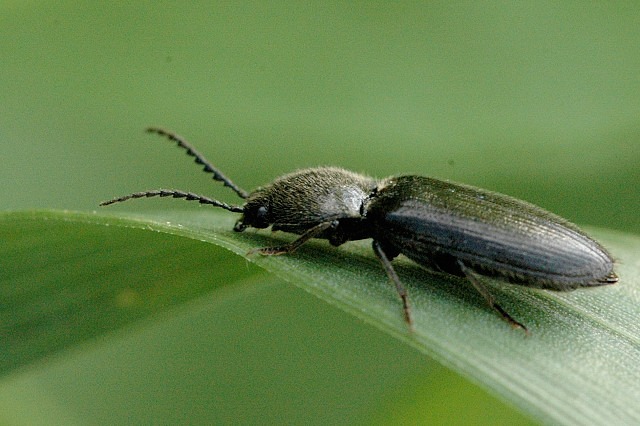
{"points": [[443, 226]]}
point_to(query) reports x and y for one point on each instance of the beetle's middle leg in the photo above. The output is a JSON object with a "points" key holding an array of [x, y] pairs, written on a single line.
{"points": [[393, 276]]}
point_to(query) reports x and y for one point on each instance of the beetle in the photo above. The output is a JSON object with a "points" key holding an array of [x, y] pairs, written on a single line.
{"points": [[443, 226]]}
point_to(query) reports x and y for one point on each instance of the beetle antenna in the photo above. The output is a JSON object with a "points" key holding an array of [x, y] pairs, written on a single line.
{"points": [[199, 159], [188, 196]]}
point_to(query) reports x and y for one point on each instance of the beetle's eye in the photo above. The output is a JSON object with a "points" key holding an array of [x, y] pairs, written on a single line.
{"points": [[262, 220]]}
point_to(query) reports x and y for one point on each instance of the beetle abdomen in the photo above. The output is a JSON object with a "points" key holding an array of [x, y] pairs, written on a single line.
{"points": [[436, 223]]}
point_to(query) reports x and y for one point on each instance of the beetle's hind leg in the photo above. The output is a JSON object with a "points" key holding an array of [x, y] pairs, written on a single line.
{"points": [[482, 289], [393, 276]]}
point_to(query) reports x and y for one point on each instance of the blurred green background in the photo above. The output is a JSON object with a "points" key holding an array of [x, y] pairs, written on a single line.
{"points": [[538, 100]]}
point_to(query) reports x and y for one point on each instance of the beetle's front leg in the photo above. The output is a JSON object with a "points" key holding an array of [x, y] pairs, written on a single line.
{"points": [[293, 245]]}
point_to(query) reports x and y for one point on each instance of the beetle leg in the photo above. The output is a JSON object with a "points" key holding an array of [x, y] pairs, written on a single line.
{"points": [[482, 289], [393, 276], [293, 245]]}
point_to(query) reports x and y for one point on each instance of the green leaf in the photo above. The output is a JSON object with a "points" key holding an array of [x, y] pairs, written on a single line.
{"points": [[69, 277]]}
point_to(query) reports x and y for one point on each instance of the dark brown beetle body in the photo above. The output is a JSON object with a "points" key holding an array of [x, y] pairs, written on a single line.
{"points": [[443, 226], [438, 223]]}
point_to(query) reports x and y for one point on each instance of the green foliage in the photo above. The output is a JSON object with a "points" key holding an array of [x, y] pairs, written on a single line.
{"points": [[72, 277]]}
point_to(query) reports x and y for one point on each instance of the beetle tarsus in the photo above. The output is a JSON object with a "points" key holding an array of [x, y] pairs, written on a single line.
{"points": [[271, 251], [508, 318]]}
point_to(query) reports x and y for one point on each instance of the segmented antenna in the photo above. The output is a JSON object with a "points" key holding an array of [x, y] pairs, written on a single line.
{"points": [[188, 196], [199, 159]]}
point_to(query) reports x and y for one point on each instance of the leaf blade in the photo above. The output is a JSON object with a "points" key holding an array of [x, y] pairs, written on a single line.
{"points": [[578, 366]]}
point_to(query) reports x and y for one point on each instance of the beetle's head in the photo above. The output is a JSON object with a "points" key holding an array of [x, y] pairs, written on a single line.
{"points": [[256, 213], [303, 199]]}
